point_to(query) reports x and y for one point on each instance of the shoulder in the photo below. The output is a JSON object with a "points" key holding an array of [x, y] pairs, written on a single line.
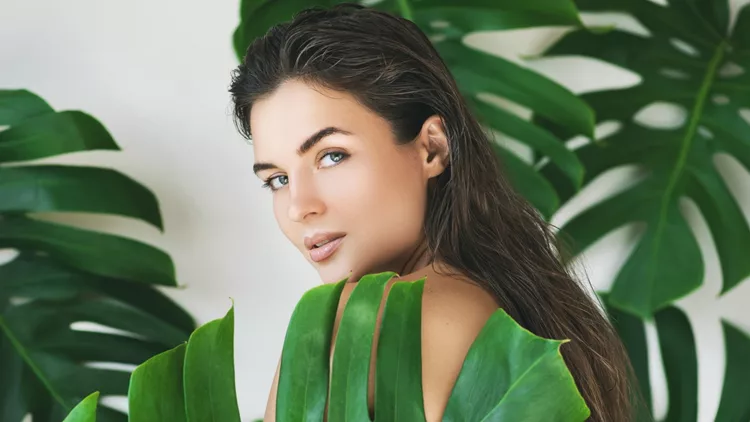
{"points": [[454, 311]]}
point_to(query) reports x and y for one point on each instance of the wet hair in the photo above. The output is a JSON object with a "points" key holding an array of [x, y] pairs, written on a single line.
{"points": [[475, 221]]}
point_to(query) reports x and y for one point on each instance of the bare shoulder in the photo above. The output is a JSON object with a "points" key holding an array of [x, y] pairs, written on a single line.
{"points": [[454, 311]]}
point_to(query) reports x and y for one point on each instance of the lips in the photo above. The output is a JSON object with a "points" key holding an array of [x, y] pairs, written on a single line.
{"points": [[329, 243]]}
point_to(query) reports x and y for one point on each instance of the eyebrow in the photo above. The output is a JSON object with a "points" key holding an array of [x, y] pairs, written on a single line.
{"points": [[306, 146]]}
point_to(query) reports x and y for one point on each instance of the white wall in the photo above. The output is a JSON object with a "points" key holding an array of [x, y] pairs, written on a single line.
{"points": [[156, 74]]}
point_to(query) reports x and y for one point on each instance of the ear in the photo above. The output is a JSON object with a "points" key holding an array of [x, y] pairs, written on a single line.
{"points": [[434, 150]]}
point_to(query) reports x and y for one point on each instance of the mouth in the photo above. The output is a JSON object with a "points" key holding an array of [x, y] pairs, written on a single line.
{"points": [[325, 249]]}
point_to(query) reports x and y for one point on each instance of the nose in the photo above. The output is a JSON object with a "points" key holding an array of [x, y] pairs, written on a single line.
{"points": [[304, 199]]}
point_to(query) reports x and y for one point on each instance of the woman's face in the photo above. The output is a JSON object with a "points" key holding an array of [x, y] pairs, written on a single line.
{"points": [[333, 168]]}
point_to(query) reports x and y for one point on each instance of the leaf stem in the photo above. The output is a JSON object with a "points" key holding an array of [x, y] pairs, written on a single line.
{"points": [[687, 141], [25, 356], [405, 9]]}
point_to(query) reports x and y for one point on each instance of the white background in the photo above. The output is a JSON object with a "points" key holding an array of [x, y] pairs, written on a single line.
{"points": [[156, 73]]}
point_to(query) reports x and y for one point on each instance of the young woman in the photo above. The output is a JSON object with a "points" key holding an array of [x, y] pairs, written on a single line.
{"points": [[375, 163]]}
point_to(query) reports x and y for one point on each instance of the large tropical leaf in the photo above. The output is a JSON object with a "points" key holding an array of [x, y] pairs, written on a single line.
{"points": [[64, 275], [447, 23], [679, 356], [689, 61]]}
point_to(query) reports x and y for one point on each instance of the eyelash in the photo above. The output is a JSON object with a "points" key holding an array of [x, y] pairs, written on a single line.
{"points": [[267, 182]]}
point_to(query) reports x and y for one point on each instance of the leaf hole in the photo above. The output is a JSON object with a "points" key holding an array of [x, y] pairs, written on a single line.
{"points": [[705, 132], [674, 73], [684, 47], [661, 115], [745, 114], [94, 327], [439, 24], [731, 70], [720, 99], [8, 255], [436, 38]]}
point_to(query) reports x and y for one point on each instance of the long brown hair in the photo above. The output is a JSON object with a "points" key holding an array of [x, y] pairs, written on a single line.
{"points": [[475, 221]]}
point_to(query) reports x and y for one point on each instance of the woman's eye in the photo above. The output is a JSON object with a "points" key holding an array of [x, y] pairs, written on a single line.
{"points": [[276, 183], [335, 157]]}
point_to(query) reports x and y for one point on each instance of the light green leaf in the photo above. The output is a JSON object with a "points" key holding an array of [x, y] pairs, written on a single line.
{"points": [[351, 358], [17, 105], [156, 389], [303, 377], [85, 411], [209, 372], [507, 369], [398, 388]]}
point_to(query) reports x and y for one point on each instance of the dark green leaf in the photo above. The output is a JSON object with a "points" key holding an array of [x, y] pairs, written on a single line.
{"points": [[303, 378], [71, 188], [96, 253], [52, 134], [351, 356], [734, 405], [398, 389], [209, 372], [85, 411], [512, 375], [17, 105], [156, 388], [680, 364]]}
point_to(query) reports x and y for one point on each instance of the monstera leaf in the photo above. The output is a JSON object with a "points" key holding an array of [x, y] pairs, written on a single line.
{"points": [[680, 358], [689, 61], [64, 275], [447, 22], [509, 374]]}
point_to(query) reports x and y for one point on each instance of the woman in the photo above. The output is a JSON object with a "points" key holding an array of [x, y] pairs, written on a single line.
{"points": [[376, 164]]}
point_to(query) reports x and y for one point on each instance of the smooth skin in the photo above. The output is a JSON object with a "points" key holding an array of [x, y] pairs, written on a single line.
{"points": [[357, 180]]}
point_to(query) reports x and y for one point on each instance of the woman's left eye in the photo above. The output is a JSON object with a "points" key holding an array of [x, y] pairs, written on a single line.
{"points": [[334, 157]]}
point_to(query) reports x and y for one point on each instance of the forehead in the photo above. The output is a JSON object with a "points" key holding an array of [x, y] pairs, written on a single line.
{"points": [[295, 110]]}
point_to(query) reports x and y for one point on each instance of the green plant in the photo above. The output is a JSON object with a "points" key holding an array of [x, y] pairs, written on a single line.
{"points": [[691, 60], [63, 275], [195, 381]]}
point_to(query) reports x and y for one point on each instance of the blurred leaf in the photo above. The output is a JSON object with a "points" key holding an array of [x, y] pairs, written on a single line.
{"points": [[303, 377], [71, 188], [512, 375], [85, 411], [680, 364], [209, 372], [156, 388], [684, 63], [351, 358], [398, 389], [93, 252], [52, 134], [17, 105], [734, 405]]}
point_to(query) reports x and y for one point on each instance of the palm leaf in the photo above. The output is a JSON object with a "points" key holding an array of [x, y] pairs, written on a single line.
{"points": [[64, 275], [478, 72], [687, 61]]}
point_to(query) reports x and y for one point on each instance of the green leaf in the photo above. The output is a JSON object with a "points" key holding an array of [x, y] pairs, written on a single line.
{"points": [[734, 405], [52, 134], [209, 372], [512, 375], [677, 161], [533, 136], [156, 388], [72, 188], [398, 389], [527, 181], [353, 348], [85, 411], [680, 364], [477, 72], [17, 105], [303, 377], [487, 15], [96, 253]]}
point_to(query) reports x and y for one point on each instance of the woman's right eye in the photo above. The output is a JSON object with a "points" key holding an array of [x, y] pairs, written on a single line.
{"points": [[277, 182]]}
